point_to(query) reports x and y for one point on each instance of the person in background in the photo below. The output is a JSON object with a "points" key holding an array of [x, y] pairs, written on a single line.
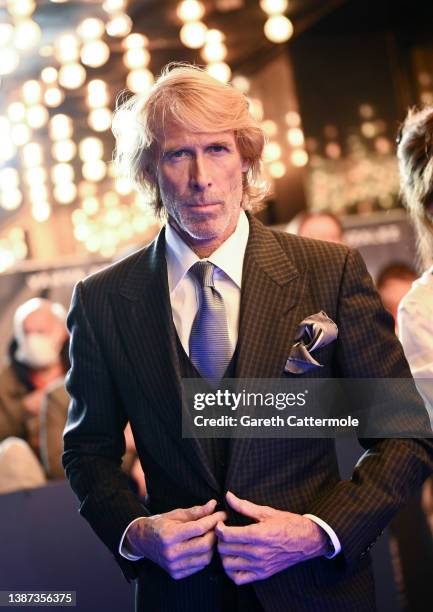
{"points": [[321, 225], [415, 313], [38, 356], [393, 282], [34, 402]]}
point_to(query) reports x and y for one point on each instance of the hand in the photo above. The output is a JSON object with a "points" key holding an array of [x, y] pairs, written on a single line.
{"points": [[180, 541], [32, 402], [277, 541]]}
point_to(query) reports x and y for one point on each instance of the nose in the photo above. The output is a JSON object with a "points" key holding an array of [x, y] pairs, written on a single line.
{"points": [[199, 174]]}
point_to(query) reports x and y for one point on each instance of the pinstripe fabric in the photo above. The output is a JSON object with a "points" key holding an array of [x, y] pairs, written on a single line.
{"points": [[125, 366], [209, 340]]}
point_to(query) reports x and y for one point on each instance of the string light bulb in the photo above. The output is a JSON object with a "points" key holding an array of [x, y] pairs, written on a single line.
{"points": [[53, 97], [278, 29], [27, 35], [95, 53], [193, 34], [91, 29], [9, 60], [220, 71], [119, 26], [72, 76], [190, 10], [274, 7]]}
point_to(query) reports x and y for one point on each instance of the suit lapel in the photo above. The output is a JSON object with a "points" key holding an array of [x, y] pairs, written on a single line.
{"points": [[143, 312], [272, 289]]}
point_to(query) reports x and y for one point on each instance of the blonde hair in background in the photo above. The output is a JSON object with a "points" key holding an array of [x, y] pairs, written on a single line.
{"points": [[188, 96], [415, 156]]}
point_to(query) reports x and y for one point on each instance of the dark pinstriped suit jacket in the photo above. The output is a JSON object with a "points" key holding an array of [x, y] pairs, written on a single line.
{"points": [[125, 367]]}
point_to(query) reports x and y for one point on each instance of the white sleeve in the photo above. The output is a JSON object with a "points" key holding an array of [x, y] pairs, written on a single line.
{"points": [[415, 324], [122, 547], [331, 533]]}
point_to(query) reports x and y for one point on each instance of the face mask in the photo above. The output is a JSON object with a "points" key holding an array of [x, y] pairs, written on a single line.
{"points": [[37, 350]]}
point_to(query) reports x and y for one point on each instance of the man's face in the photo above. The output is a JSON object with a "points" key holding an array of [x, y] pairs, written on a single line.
{"points": [[200, 181], [40, 339], [43, 321], [321, 227]]}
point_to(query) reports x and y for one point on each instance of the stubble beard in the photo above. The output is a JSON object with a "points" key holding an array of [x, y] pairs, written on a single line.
{"points": [[201, 226]]}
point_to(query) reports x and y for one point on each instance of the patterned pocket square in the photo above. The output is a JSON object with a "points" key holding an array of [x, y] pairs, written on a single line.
{"points": [[313, 332]]}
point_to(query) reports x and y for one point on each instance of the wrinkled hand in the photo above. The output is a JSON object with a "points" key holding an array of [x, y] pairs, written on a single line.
{"points": [[181, 541], [277, 541]]}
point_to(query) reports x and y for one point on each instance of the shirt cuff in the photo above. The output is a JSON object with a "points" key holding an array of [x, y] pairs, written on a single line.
{"points": [[330, 532], [122, 547]]}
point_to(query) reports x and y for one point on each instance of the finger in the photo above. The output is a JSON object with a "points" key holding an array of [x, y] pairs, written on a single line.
{"points": [[194, 546], [194, 562], [193, 513], [242, 535], [198, 527], [247, 508], [179, 575], [253, 553], [232, 563]]}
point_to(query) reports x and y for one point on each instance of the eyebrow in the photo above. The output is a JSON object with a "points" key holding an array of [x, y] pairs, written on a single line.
{"points": [[221, 142]]}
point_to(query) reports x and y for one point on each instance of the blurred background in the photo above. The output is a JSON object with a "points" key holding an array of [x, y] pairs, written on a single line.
{"points": [[330, 80]]}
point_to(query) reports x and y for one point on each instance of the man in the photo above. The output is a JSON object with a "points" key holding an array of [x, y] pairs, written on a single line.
{"points": [[37, 358], [251, 524], [321, 225]]}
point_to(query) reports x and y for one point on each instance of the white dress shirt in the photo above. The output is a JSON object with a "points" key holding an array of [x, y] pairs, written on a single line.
{"points": [[184, 299], [415, 327], [184, 296]]}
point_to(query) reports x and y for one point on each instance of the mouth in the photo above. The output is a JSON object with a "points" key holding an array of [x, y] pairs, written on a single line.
{"points": [[203, 204]]}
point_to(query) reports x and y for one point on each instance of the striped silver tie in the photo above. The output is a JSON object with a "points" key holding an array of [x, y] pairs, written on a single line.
{"points": [[209, 346]]}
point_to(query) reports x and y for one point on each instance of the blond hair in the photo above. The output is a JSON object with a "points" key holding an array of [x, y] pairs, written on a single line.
{"points": [[188, 96], [415, 155]]}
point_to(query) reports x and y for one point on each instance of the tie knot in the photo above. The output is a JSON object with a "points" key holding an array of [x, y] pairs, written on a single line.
{"points": [[203, 272]]}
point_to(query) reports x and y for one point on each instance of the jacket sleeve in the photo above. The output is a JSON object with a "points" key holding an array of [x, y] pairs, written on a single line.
{"points": [[93, 440], [390, 470]]}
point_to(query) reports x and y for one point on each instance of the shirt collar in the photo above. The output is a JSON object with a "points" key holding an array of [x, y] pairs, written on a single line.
{"points": [[229, 257]]}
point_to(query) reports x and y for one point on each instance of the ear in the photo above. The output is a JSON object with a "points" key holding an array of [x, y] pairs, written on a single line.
{"points": [[245, 165]]}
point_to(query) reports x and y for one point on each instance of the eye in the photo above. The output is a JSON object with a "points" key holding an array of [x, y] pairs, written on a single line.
{"points": [[216, 148], [176, 155]]}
